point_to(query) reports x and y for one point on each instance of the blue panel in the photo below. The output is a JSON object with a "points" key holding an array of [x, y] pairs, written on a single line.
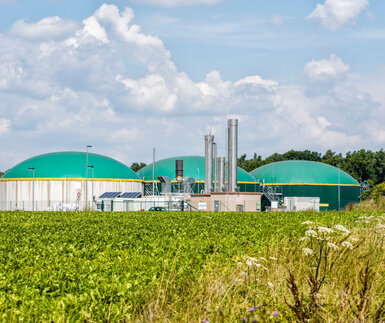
{"points": [[131, 195]]}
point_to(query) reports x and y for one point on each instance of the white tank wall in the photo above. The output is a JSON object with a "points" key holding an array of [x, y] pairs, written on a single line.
{"points": [[17, 194]]}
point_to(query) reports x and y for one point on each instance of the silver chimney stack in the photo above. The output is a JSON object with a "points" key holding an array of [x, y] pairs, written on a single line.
{"points": [[232, 132], [221, 173], [215, 188], [209, 139]]}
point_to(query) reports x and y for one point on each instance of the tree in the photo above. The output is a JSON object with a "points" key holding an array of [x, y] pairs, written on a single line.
{"points": [[137, 166]]}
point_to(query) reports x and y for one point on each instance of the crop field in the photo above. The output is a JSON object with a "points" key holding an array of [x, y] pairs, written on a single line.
{"points": [[192, 267]]}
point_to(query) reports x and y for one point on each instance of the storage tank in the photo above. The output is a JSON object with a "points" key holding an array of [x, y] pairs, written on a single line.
{"points": [[301, 178], [59, 178]]}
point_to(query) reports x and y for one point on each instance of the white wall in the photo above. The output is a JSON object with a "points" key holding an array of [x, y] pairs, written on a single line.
{"points": [[17, 194]]}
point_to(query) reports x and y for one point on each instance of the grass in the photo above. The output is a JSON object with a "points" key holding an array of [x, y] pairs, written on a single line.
{"points": [[173, 267]]}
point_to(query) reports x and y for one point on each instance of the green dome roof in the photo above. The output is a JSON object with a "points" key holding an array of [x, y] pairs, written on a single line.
{"points": [[71, 165], [302, 172], [191, 164]]}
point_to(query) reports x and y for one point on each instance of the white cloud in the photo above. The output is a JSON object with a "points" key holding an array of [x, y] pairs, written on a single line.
{"points": [[4, 125], [48, 28], [326, 69], [333, 14], [177, 3], [109, 84]]}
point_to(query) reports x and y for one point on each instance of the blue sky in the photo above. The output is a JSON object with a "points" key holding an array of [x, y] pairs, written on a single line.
{"points": [[126, 76]]}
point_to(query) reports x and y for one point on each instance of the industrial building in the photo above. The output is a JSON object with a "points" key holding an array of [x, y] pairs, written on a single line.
{"points": [[81, 180], [299, 178], [64, 181], [193, 173]]}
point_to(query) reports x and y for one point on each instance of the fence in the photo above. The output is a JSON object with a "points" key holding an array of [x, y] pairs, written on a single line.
{"points": [[142, 205], [41, 206]]}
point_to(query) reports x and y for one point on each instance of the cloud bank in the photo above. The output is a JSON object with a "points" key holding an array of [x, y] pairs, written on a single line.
{"points": [[65, 84]]}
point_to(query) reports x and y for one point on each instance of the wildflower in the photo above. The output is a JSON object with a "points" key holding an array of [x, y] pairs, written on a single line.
{"points": [[267, 269], [273, 258], [325, 230], [205, 321], [251, 309], [310, 233], [307, 222], [304, 239], [347, 244], [307, 251], [275, 314], [333, 246], [239, 280], [244, 319], [240, 264], [342, 228], [353, 239], [380, 226], [270, 284], [243, 273], [264, 259]]}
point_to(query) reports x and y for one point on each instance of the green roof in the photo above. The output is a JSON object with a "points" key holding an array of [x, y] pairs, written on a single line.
{"points": [[302, 172], [192, 165], [71, 165]]}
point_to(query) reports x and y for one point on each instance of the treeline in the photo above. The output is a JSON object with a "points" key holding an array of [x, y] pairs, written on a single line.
{"points": [[363, 165]]}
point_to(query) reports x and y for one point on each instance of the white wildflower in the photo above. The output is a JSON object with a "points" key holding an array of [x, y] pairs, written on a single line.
{"points": [[310, 233], [264, 259], [240, 263], [257, 264], [325, 230], [347, 244], [341, 228], [353, 239], [307, 222], [307, 251], [249, 263], [239, 280], [273, 258], [243, 273], [270, 284], [333, 246], [380, 226], [304, 239], [267, 269]]}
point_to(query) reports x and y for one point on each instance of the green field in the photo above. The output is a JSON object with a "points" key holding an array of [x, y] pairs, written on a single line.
{"points": [[171, 266]]}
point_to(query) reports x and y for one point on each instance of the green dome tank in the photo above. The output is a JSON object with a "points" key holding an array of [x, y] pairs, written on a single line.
{"points": [[66, 165], [335, 187]]}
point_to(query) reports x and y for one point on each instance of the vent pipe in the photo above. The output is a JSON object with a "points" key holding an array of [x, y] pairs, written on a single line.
{"points": [[179, 170], [215, 187], [221, 173], [209, 139], [232, 134]]}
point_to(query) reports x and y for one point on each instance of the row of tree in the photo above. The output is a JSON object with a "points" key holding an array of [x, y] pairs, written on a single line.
{"points": [[363, 165]]}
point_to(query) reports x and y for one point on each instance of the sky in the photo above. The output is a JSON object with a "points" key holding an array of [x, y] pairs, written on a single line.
{"points": [[128, 76]]}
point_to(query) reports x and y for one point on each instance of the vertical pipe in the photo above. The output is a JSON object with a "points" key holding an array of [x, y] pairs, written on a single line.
{"points": [[86, 199], [208, 162], [33, 191], [215, 168], [232, 130], [221, 173], [339, 189], [153, 172]]}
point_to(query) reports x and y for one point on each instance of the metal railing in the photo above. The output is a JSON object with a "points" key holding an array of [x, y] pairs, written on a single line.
{"points": [[272, 193]]}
